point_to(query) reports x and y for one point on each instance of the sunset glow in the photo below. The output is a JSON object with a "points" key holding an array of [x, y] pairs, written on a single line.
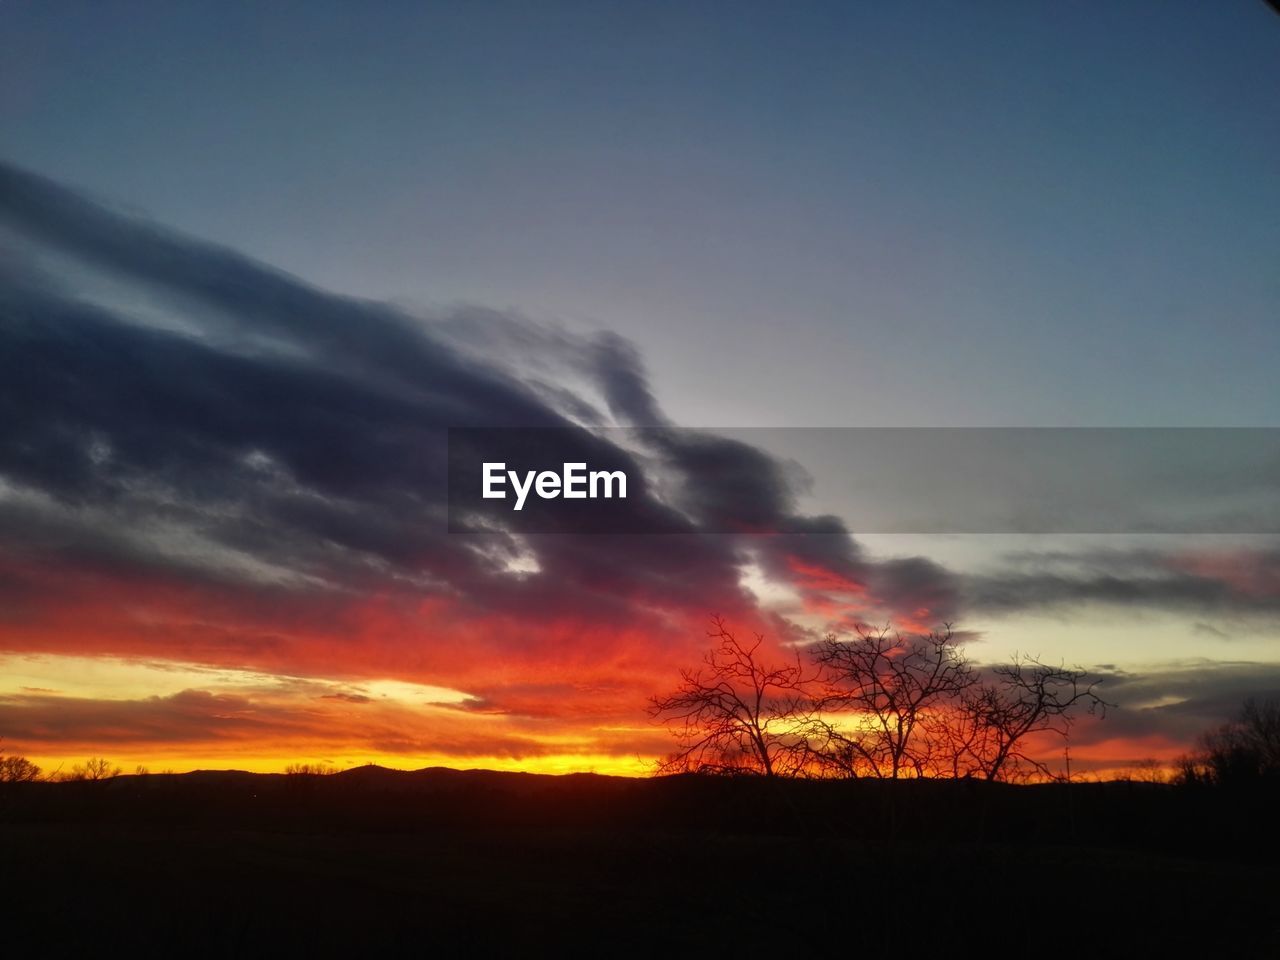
{"points": [[233, 363], [616, 476]]}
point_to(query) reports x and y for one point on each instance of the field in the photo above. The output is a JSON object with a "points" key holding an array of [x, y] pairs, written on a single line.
{"points": [[231, 864]]}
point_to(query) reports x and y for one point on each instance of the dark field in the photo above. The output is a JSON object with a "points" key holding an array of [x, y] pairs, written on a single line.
{"points": [[445, 862]]}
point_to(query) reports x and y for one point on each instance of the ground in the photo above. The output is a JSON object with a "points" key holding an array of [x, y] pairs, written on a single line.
{"points": [[235, 865]]}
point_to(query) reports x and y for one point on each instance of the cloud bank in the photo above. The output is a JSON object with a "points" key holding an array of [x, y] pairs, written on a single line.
{"points": [[208, 460]]}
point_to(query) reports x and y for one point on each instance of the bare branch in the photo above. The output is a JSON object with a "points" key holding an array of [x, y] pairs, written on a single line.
{"points": [[737, 713]]}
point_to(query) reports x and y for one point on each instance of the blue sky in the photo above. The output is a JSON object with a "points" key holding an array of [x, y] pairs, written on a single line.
{"points": [[814, 214]]}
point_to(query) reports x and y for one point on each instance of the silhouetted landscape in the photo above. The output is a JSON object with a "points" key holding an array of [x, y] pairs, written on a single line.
{"points": [[370, 858], [756, 480]]}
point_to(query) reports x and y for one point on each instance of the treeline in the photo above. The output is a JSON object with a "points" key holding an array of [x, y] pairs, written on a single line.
{"points": [[1244, 751], [18, 769], [884, 705], [879, 704]]}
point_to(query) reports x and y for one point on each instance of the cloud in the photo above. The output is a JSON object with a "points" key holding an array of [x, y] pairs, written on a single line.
{"points": [[1192, 580], [205, 455], [1160, 710], [207, 459], [205, 722]]}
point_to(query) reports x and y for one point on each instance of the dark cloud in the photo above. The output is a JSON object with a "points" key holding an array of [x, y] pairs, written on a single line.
{"points": [[1177, 702], [325, 458], [1230, 582], [210, 721], [191, 715], [303, 431], [176, 414], [259, 465]]}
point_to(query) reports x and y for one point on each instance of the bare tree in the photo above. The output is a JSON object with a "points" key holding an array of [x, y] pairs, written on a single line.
{"points": [[879, 704], [886, 698], [737, 713], [16, 769], [95, 768], [1146, 770], [1246, 749], [310, 769], [1024, 697]]}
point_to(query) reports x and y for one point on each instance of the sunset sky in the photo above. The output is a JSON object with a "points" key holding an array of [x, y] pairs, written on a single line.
{"points": [[256, 259]]}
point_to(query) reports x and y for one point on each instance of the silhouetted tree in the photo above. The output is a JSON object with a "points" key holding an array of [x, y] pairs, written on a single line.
{"points": [[16, 769], [1022, 698], [309, 769], [879, 704], [886, 698], [95, 768], [737, 713], [1244, 750], [1147, 770]]}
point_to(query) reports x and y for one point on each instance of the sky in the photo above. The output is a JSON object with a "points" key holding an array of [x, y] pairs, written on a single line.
{"points": [[257, 258]]}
